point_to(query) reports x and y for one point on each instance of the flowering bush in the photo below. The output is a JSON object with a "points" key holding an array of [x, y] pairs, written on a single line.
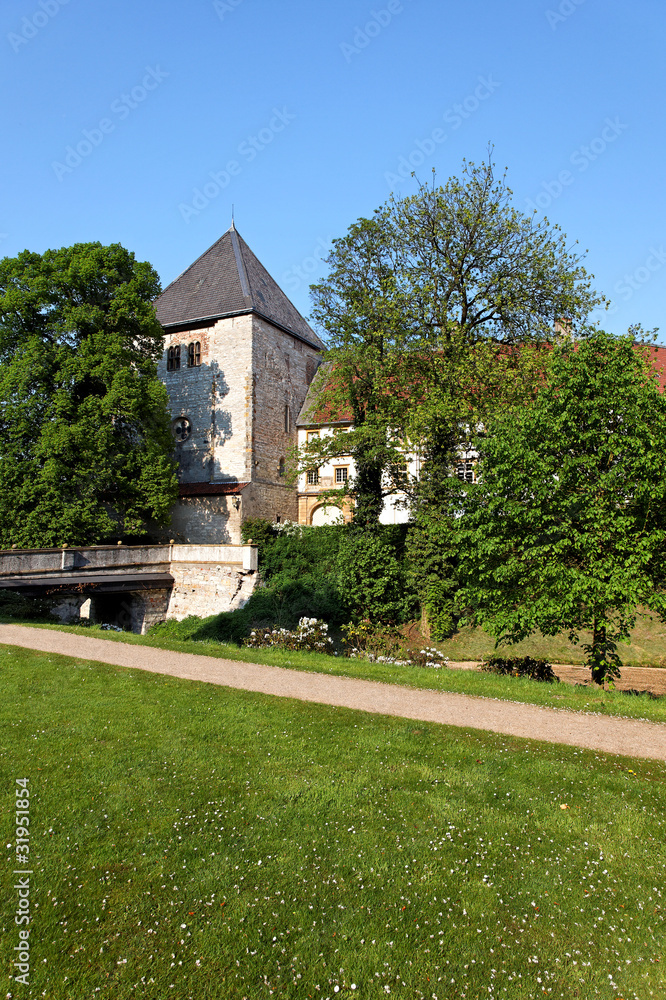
{"points": [[387, 645], [311, 635], [287, 527], [428, 657], [373, 641]]}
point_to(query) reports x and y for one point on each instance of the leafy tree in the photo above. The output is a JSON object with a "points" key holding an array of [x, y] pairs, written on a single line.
{"points": [[422, 306], [367, 319], [371, 574], [86, 452], [567, 530]]}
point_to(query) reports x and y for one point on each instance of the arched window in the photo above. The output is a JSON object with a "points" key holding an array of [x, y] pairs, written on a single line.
{"points": [[173, 358], [194, 354]]}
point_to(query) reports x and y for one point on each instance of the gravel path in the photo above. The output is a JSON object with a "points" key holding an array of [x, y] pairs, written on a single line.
{"points": [[626, 737]]}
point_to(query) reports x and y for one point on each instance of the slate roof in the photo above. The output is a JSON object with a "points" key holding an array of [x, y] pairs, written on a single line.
{"points": [[229, 280]]}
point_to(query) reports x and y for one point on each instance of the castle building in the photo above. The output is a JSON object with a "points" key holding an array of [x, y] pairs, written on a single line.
{"points": [[237, 364]]}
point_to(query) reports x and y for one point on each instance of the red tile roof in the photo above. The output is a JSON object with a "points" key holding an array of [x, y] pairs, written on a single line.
{"points": [[310, 416], [659, 360], [210, 489]]}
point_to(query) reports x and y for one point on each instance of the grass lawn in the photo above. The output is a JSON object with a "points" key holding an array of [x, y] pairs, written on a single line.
{"points": [[647, 646], [190, 841], [563, 696]]}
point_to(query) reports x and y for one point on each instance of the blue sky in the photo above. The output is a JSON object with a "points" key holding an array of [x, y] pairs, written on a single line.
{"points": [[304, 114]]}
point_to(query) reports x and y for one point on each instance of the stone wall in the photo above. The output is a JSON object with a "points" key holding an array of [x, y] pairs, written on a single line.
{"points": [[283, 367], [206, 589], [242, 403], [207, 579], [216, 397], [206, 521], [271, 501]]}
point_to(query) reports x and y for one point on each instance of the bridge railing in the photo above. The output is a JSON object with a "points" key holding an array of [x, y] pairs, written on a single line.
{"points": [[118, 559]]}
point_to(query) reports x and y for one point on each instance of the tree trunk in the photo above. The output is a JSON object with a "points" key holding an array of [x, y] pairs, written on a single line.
{"points": [[368, 494], [598, 661]]}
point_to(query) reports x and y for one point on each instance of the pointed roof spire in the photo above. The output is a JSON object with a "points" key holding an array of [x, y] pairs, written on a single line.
{"points": [[228, 280]]}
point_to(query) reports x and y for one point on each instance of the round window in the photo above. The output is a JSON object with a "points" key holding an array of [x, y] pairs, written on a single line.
{"points": [[182, 428]]}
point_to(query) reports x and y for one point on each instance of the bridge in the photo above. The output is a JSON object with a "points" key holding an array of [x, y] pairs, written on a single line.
{"points": [[133, 585]]}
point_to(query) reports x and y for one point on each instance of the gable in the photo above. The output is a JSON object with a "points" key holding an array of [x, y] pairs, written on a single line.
{"points": [[229, 280]]}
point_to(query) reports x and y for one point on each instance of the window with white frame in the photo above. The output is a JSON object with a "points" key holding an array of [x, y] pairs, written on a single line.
{"points": [[466, 470], [313, 477], [341, 473]]}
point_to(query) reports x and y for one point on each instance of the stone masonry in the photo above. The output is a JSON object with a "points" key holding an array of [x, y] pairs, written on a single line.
{"points": [[234, 409], [134, 585]]}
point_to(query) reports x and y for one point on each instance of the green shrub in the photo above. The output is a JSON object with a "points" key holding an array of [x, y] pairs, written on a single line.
{"points": [[291, 550], [260, 531], [283, 603], [371, 575], [428, 657], [366, 638], [431, 570], [521, 666], [439, 610], [17, 605]]}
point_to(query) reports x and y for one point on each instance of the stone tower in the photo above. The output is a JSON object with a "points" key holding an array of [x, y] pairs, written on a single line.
{"points": [[237, 364]]}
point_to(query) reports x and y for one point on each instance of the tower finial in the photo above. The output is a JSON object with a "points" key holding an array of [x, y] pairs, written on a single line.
{"points": [[233, 225]]}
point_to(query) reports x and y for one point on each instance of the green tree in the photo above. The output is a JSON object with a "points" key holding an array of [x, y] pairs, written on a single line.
{"points": [[567, 529], [421, 308], [371, 574], [86, 451], [366, 318]]}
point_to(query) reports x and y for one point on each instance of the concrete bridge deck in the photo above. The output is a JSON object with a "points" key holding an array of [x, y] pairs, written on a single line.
{"points": [[152, 581]]}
